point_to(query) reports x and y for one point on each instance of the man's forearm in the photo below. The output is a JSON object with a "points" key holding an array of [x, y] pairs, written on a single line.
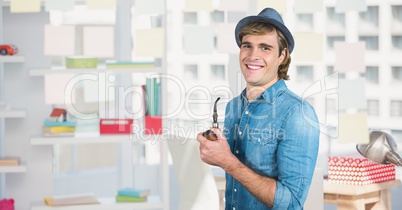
{"points": [[261, 187]]}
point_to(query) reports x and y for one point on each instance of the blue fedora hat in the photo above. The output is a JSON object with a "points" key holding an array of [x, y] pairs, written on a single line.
{"points": [[271, 16]]}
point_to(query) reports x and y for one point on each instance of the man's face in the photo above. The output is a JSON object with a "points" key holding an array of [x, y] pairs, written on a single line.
{"points": [[259, 59]]}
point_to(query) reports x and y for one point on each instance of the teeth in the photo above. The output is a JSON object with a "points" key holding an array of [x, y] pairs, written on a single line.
{"points": [[253, 67]]}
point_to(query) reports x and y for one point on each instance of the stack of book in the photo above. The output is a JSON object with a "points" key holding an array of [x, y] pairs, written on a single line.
{"points": [[64, 128], [132, 195], [58, 124]]}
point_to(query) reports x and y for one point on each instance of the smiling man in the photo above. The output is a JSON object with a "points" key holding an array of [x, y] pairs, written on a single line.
{"points": [[269, 144]]}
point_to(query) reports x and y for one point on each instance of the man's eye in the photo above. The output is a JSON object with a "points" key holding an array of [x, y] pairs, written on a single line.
{"points": [[265, 48], [246, 46]]}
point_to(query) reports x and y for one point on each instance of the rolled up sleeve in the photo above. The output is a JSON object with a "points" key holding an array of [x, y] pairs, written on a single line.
{"points": [[296, 157]]}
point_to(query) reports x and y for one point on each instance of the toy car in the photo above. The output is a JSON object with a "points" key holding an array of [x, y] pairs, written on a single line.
{"points": [[8, 49]]}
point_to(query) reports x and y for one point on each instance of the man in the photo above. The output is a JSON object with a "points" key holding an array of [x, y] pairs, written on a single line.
{"points": [[269, 144]]}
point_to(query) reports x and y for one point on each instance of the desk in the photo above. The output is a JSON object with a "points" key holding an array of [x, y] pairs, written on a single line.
{"points": [[353, 197]]}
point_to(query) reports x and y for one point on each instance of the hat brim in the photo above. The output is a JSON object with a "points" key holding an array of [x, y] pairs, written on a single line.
{"points": [[285, 31]]}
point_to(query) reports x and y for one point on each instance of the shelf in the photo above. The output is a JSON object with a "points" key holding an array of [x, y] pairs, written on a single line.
{"points": [[12, 59], [13, 169], [46, 140], [105, 204], [6, 3], [50, 140], [12, 113], [42, 72]]}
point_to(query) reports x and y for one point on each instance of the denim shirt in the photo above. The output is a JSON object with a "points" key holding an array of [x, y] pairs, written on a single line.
{"points": [[277, 136]]}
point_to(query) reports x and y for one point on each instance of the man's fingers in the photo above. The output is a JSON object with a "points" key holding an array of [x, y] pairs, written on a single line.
{"points": [[200, 137], [218, 133]]}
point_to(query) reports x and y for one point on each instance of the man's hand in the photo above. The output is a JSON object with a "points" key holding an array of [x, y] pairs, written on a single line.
{"points": [[217, 152]]}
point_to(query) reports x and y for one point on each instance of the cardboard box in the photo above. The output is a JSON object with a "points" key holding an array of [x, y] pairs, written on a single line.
{"points": [[153, 125], [116, 126], [358, 171]]}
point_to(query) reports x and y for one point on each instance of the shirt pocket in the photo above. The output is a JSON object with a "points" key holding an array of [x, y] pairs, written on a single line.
{"points": [[262, 137]]}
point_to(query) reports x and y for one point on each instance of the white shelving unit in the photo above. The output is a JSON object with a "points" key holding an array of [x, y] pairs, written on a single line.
{"points": [[13, 169], [44, 140], [12, 113], [63, 70], [153, 202], [41, 153], [6, 113], [12, 59]]}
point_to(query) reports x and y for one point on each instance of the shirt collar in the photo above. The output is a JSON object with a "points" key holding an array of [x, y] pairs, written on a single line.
{"points": [[271, 93]]}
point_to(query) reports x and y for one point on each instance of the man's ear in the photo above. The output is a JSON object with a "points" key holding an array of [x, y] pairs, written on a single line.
{"points": [[282, 56]]}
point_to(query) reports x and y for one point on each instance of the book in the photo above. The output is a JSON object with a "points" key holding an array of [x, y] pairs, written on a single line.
{"points": [[130, 64], [62, 200], [9, 161], [120, 198], [48, 122], [128, 191], [58, 129]]}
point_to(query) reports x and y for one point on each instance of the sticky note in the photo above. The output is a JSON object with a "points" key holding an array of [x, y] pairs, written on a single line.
{"points": [[149, 7], [61, 5], [149, 42], [198, 39], [24, 6], [225, 44], [308, 6], [98, 41], [59, 40], [240, 5], [235, 17], [346, 6], [279, 5], [311, 41], [349, 57], [101, 4], [352, 94], [353, 128], [60, 88], [196, 5]]}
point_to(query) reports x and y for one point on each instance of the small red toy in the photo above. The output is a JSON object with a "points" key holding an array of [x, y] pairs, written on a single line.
{"points": [[8, 49], [7, 204]]}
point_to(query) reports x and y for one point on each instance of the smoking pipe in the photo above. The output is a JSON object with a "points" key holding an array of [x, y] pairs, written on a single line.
{"points": [[210, 135]]}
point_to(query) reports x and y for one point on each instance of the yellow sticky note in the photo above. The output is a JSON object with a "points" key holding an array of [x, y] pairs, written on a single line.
{"points": [[197, 5], [278, 5], [101, 4], [353, 128], [24, 6], [149, 42], [311, 41]]}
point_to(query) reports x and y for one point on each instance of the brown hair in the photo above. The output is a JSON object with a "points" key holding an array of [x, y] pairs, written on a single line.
{"points": [[261, 28]]}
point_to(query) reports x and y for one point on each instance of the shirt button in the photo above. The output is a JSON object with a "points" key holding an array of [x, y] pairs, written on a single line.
{"points": [[240, 132], [237, 151], [235, 190], [259, 140], [234, 208], [246, 112]]}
